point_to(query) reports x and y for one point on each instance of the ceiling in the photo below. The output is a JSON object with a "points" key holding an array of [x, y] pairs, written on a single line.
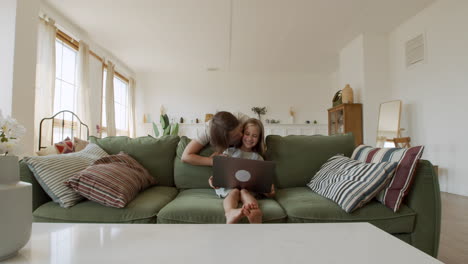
{"points": [[237, 35]]}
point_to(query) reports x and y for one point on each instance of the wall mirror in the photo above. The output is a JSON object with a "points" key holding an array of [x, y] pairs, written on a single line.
{"points": [[389, 122]]}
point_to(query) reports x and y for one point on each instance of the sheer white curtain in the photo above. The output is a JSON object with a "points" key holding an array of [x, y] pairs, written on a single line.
{"points": [[110, 106], [45, 79], [95, 84], [131, 108], [83, 97]]}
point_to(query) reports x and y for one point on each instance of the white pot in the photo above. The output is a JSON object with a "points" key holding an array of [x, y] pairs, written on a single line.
{"points": [[15, 208]]}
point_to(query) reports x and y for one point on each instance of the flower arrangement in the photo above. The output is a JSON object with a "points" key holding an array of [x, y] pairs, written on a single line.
{"points": [[259, 111], [292, 113], [10, 134]]}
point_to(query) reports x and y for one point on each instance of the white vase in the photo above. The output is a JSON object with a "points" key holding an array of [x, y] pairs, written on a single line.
{"points": [[15, 208]]}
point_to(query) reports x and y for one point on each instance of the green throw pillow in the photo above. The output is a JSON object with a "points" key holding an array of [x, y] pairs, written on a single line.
{"points": [[155, 154]]}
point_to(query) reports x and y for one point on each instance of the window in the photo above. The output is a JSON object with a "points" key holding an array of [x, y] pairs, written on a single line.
{"points": [[65, 90], [120, 103], [65, 77]]}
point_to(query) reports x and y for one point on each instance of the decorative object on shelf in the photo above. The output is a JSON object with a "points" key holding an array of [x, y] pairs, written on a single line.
{"points": [[197, 121], [292, 113], [15, 195], [307, 122], [147, 118], [181, 120], [208, 117], [347, 95], [315, 122], [259, 111], [273, 121], [337, 99], [166, 127]]}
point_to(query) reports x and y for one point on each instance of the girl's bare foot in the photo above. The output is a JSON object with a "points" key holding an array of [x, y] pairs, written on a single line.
{"points": [[234, 215], [253, 213]]}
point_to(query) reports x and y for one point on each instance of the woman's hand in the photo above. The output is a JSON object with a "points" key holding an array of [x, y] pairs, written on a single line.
{"points": [[272, 193], [210, 182]]}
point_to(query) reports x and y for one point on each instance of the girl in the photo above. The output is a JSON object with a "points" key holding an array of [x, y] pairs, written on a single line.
{"points": [[224, 130], [252, 146]]}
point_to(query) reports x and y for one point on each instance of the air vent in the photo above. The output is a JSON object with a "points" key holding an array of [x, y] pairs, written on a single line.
{"points": [[415, 50]]}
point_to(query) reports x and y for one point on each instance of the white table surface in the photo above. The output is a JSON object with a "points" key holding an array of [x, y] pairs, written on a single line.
{"points": [[220, 244]]}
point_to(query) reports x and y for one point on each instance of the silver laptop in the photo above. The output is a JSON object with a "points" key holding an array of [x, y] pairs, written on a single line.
{"points": [[253, 175]]}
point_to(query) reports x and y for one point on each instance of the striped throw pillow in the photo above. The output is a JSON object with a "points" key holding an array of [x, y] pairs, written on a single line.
{"points": [[112, 181], [52, 171], [350, 183], [407, 158]]}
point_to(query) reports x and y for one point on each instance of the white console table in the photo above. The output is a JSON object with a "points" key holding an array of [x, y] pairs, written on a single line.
{"points": [[192, 130], [56, 243]]}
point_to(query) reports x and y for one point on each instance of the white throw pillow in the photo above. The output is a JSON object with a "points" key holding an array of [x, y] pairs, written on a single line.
{"points": [[351, 183], [53, 171]]}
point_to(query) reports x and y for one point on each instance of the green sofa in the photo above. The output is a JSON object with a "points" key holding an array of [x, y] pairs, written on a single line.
{"points": [[183, 194]]}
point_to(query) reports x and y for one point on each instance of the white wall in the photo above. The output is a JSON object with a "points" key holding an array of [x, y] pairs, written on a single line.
{"points": [[376, 88], [191, 95], [351, 67], [19, 69], [7, 46], [364, 66], [435, 93]]}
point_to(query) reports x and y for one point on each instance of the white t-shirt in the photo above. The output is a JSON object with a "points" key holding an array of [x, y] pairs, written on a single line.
{"points": [[203, 137], [238, 153]]}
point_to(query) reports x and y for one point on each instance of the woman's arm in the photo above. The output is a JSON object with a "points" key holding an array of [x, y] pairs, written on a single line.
{"points": [[191, 156]]}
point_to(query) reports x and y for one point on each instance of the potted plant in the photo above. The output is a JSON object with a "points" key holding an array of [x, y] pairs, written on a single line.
{"points": [[259, 111], [16, 206]]}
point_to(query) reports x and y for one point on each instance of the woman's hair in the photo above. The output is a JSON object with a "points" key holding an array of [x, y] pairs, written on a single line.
{"points": [[221, 124], [260, 147]]}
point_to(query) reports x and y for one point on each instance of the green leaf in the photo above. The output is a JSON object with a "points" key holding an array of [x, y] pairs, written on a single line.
{"points": [[166, 119], [156, 130], [167, 131], [175, 129], [163, 122]]}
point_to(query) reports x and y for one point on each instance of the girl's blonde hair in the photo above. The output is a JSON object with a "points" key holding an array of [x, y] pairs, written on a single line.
{"points": [[260, 147]]}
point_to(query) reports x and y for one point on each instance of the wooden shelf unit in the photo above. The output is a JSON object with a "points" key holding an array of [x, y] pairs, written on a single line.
{"points": [[346, 118]]}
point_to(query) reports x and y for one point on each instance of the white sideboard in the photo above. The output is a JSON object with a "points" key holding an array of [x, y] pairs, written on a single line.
{"points": [[192, 130]]}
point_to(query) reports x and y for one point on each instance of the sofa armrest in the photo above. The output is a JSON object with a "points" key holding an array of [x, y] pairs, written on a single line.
{"points": [[39, 196], [424, 199]]}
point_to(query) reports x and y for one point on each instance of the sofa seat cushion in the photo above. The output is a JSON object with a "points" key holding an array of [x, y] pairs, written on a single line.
{"points": [[203, 206], [305, 206], [142, 209]]}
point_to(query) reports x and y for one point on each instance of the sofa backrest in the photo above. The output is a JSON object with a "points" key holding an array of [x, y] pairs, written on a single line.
{"points": [[298, 158], [189, 176], [155, 154]]}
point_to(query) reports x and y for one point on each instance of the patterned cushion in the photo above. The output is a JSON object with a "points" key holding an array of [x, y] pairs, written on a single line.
{"points": [[112, 181], [79, 144], [392, 196], [52, 171], [350, 183], [65, 146]]}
